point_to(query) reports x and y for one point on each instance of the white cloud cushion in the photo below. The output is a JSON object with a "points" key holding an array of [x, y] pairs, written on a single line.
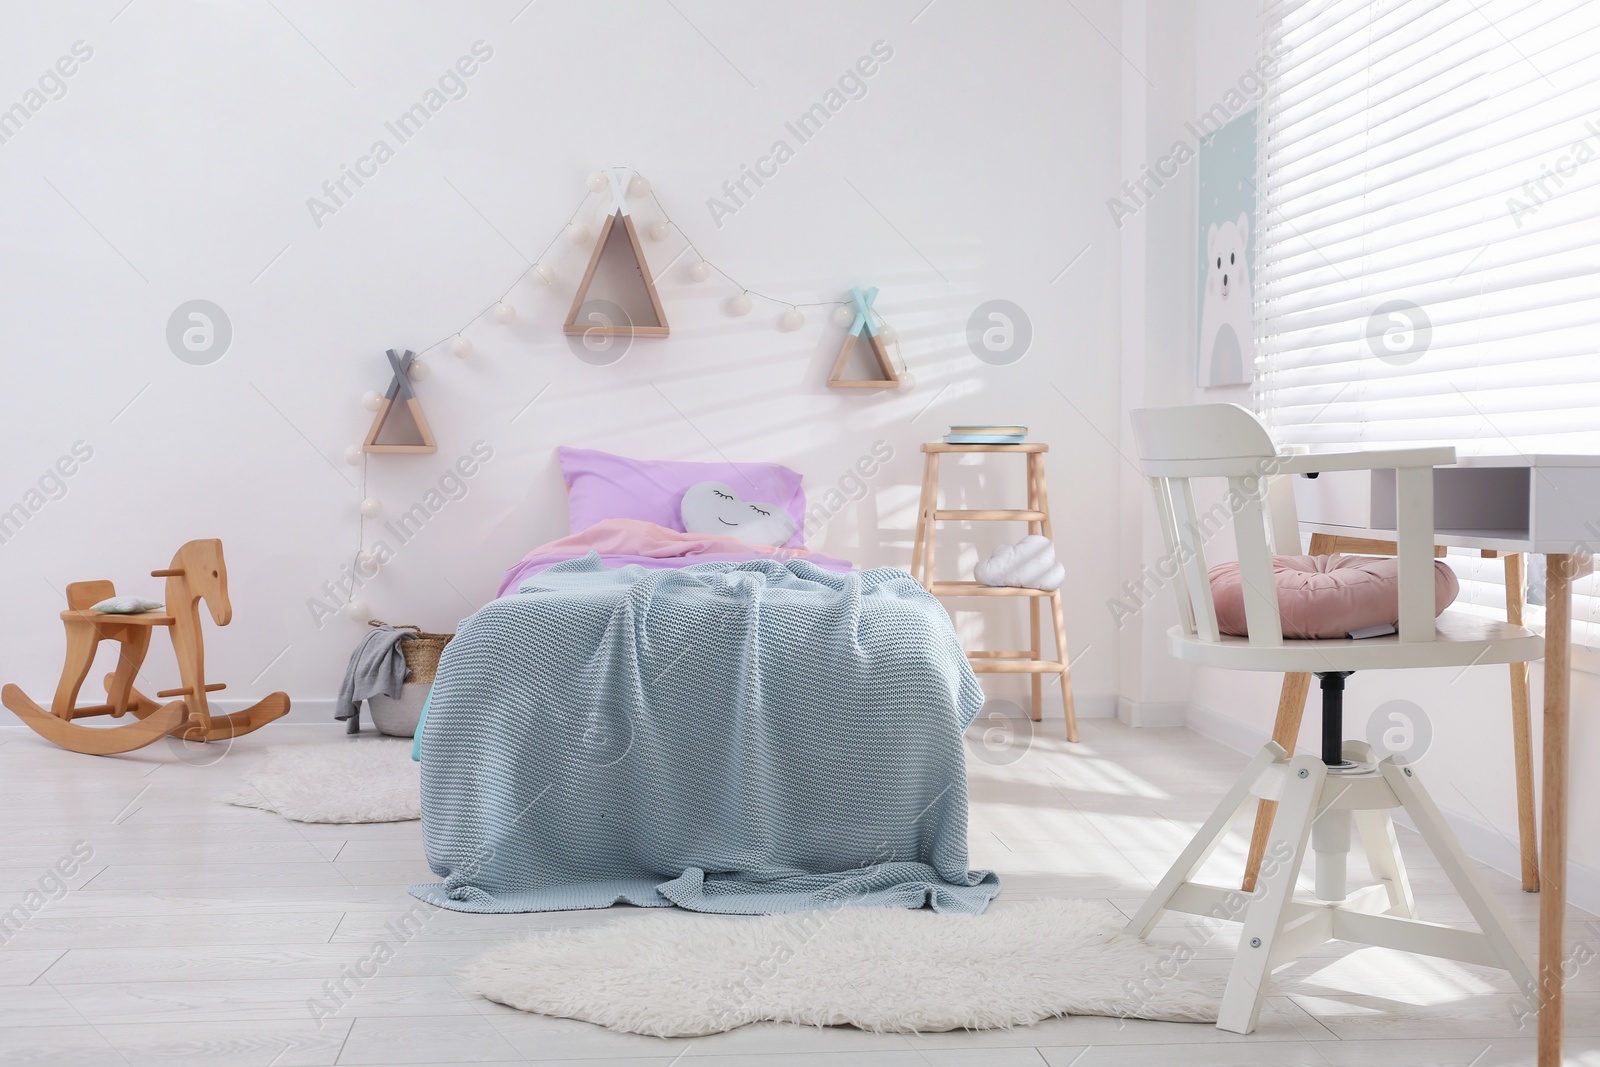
{"points": [[717, 508], [1028, 564]]}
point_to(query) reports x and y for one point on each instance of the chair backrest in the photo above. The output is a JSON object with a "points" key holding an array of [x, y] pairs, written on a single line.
{"points": [[1179, 444], [81, 596], [1215, 440]]}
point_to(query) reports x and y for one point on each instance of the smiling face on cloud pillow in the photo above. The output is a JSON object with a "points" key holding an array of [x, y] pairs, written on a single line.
{"points": [[715, 508]]}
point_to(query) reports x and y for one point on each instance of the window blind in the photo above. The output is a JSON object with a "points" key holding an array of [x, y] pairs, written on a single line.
{"points": [[1428, 221]]}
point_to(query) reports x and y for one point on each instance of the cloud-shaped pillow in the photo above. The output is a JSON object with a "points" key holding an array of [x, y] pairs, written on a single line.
{"points": [[1028, 564], [716, 508]]}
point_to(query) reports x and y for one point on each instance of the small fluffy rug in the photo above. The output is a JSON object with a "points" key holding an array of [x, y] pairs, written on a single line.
{"points": [[878, 969], [347, 781]]}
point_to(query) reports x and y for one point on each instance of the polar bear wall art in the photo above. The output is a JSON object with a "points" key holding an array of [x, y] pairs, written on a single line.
{"points": [[1225, 315]]}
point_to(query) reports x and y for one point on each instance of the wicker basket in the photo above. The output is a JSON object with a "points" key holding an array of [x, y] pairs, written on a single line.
{"points": [[422, 652], [398, 716]]}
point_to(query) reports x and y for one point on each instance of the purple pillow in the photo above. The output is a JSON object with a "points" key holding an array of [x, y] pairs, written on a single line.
{"points": [[603, 486]]}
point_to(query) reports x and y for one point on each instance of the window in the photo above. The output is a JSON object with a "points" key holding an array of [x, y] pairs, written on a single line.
{"points": [[1428, 268]]}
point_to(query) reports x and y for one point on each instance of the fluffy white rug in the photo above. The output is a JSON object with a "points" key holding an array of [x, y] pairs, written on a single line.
{"points": [[347, 781], [877, 969]]}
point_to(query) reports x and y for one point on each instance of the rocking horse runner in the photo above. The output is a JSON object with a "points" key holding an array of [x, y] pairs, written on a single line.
{"points": [[197, 573]]}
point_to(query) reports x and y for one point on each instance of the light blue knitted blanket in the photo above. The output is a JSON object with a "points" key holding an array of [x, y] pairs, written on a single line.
{"points": [[729, 737]]}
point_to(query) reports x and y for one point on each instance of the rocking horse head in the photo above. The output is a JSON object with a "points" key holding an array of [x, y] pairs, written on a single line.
{"points": [[199, 566]]}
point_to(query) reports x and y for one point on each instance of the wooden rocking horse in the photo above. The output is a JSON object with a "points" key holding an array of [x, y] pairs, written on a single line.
{"points": [[197, 573]]}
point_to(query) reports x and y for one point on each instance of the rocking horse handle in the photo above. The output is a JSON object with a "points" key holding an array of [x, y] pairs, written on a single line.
{"points": [[167, 573]]}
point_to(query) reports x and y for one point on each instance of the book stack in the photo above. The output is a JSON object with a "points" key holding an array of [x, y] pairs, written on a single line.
{"points": [[986, 435]]}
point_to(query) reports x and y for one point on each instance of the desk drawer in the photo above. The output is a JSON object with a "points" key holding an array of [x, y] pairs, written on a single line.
{"points": [[1474, 506]]}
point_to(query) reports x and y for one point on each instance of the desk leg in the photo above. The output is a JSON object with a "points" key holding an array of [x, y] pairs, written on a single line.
{"points": [[1286, 732], [1522, 728], [1553, 849]]}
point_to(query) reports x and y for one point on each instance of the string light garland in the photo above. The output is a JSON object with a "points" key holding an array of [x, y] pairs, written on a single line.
{"points": [[578, 231]]}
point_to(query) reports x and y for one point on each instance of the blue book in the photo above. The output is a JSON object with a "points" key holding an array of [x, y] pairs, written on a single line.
{"points": [[984, 438]]}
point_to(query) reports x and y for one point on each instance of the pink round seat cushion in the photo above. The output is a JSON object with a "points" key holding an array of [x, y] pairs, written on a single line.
{"points": [[1327, 596]]}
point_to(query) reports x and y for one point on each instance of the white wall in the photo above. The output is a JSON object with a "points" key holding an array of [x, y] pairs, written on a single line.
{"points": [[1158, 321], [178, 165], [1468, 767]]}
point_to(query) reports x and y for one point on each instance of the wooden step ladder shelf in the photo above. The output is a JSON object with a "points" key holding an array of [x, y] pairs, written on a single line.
{"points": [[977, 589], [1030, 660], [992, 515]]}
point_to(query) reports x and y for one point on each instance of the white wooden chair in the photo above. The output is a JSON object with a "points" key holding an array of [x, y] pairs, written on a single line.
{"points": [[1317, 797]]}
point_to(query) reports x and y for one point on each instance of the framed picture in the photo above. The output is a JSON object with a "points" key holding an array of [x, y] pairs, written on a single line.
{"points": [[1227, 252]]}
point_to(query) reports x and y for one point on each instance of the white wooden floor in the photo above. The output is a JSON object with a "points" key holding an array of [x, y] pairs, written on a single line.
{"points": [[200, 933]]}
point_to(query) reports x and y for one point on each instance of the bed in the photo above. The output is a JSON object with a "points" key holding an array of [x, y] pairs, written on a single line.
{"points": [[660, 717]]}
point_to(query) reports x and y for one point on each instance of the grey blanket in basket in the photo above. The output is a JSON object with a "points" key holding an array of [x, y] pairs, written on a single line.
{"points": [[377, 668]]}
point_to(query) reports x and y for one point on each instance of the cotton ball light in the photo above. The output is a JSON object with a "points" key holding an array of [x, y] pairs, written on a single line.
{"points": [[578, 233], [698, 271], [740, 305], [353, 454], [658, 230], [358, 610], [598, 182], [461, 347], [504, 313], [638, 186], [791, 320], [544, 274], [372, 507], [844, 315], [419, 371], [888, 335], [370, 400]]}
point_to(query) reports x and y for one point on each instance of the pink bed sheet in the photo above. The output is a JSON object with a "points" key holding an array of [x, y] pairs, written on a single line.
{"points": [[621, 542]]}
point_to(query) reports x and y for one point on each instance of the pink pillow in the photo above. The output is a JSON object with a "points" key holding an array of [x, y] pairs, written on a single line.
{"points": [[1327, 596], [603, 486]]}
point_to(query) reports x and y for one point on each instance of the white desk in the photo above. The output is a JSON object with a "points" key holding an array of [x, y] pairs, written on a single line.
{"points": [[1535, 503]]}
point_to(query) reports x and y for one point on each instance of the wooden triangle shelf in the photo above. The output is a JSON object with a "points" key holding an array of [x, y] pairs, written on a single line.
{"points": [[890, 379], [619, 223], [400, 403], [862, 326]]}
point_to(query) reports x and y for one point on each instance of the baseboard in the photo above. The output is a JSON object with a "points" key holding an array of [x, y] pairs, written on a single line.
{"points": [[1488, 845], [302, 710], [319, 710], [1483, 842], [1013, 689], [1095, 706], [1151, 712], [1228, 732]]}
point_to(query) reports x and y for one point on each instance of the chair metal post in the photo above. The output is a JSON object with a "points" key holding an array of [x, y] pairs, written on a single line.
{"points": [[1333, 716]]}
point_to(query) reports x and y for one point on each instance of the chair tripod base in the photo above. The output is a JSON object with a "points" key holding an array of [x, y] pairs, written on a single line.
{"points": [[1317, 809]]}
